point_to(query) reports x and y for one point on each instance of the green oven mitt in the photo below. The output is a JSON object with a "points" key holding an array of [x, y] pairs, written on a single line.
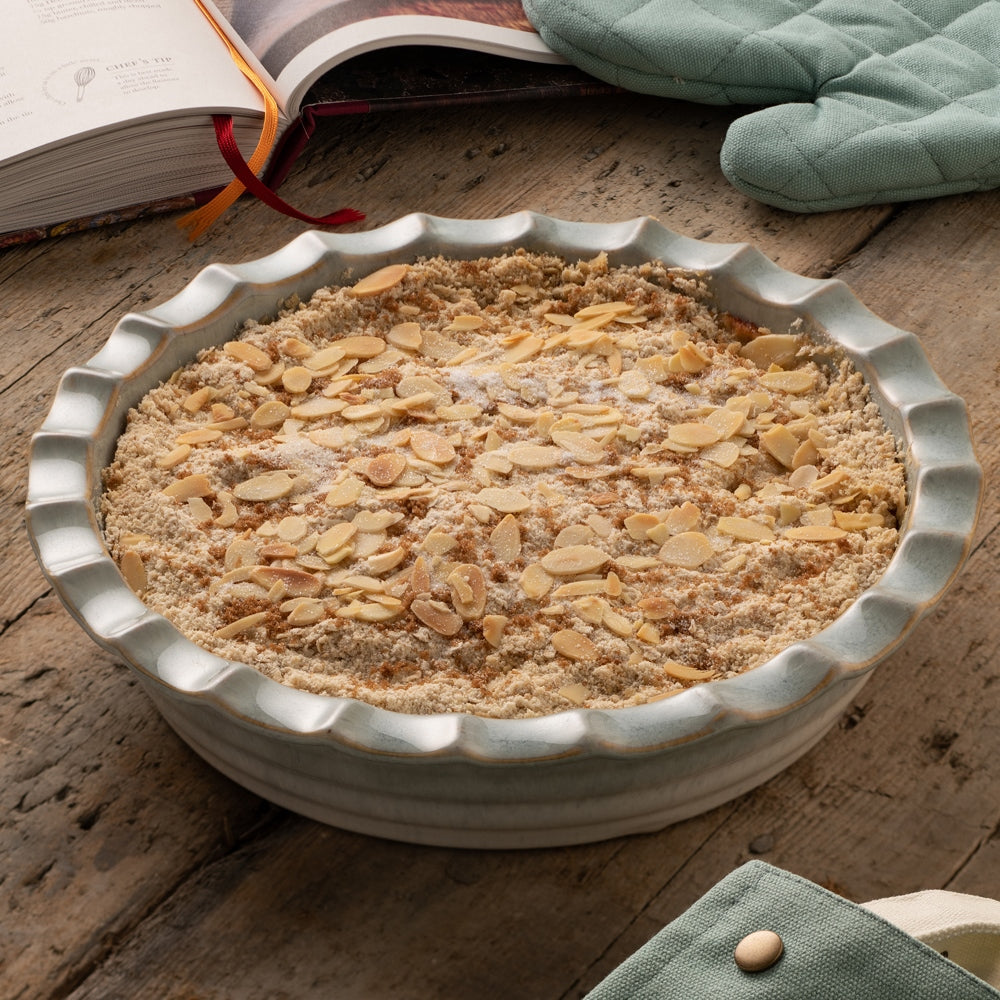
{"points": [[872, 101]]}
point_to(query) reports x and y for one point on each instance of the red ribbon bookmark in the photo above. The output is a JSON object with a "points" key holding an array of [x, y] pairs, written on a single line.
{"points": [[234, 158]]}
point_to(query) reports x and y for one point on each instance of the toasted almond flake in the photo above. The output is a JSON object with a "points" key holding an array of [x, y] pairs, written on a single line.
{"points": [[295, 348], [830, 480], [306, 611], [574, 560], [293, 528], [517, 414], [816, 533], [249, 355], [296, 380], [420, 385], [420, 578], [683, 518], [439, 543], [241, 625], [797, 381], [535, 456], [574, 645], [437, 616], [725, 454], [505, 501], [379, 281], [682, 672], [133, 570], [297, 582], [505, 539], [692, 359], [648, 634], [688, 550], [745, 529], [201, 435], [198, 399], [232, 424], [319, 407], [634, 385], [693, 434], [405, 335], [265, 487], [279, 550], [576, 693], [560, 319], [335, 538], [655, 608], [386, 561], [638, 525], [524, 349], [584, 449], [466, 321], [579, 588], [468, 586], [325, 361], [535, 582], [637, 563], [273, 413], [229, 515], [375, 611], [857, 522], [173, 457], [727, 422], [199, 510], [196, 485], [771, 349], [333, 437], [361, 346], [493, 626], [781, 443], [346, 492], [384, 469], [432, 447]]}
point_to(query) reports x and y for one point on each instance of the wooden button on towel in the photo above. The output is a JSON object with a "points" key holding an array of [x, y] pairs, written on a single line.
{"points": [[758, 951]]}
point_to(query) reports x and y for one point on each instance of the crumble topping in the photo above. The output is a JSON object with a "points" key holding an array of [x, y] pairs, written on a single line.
{"points": [[507, 487]]}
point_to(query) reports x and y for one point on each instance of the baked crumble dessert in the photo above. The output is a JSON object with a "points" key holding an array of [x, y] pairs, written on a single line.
{"points": [[507, 487]]}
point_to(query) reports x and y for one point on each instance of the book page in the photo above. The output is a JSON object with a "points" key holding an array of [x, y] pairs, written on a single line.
{"points": [[74, 67], [298, 40]]}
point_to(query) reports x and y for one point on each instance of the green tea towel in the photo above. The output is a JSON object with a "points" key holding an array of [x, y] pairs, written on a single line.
{"points": [[871, 102], [832, 950]]}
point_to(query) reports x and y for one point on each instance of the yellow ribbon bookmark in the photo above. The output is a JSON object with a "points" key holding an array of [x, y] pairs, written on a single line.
{"points": [[200, 219]]}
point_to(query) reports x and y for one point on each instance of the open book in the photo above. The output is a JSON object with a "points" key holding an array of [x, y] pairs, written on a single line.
{"points": [[108, 108]]}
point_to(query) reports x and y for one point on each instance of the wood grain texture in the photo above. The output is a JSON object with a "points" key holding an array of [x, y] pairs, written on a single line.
{"points": [[131, 869]]}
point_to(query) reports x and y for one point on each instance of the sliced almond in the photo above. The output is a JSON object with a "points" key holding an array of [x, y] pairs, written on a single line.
{"points": [[816, 533], [249, 355], [535, 456], [133, 570], [574, 645], [345, 493], [505, 539], [535, 582], [688, 550], [432, 447], [780, 442], [241, 625], [576, 693], [682, 672], [265, 487], [745, 529], [335, 538], [468, 587], [196, 485], [574, 560], [379, 281], [173, 457], [386, 468], [297, 582], [796, 381], [503, 500], [297, 379], [493, 626], [405, 335], [771, 349], [273, 413], [437, 616]]}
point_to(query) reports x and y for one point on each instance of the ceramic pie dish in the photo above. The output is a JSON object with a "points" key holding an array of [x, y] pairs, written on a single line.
{"points": [[459, 780]]}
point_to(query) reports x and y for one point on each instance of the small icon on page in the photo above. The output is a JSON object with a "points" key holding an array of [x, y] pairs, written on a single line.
{"points": [[82, 77]]}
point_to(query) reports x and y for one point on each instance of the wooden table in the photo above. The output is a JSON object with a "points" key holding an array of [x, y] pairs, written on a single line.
{"points": [[131, 869]]}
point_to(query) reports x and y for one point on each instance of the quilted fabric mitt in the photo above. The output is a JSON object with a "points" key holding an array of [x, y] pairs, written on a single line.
{"points": [[871, 102]]}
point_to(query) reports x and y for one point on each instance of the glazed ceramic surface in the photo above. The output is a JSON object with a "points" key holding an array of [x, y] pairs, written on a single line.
{"points": [[454, 780]]}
